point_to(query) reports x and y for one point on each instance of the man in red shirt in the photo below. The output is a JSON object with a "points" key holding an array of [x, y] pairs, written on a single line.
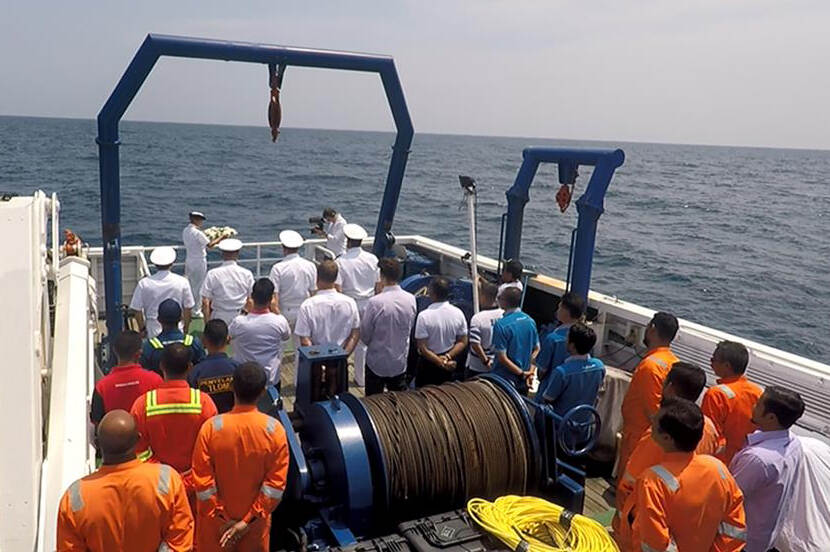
{"points": [[169, 418], [119, 389]]}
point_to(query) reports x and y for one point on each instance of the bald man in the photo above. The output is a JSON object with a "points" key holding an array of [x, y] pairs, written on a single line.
{"points": [[126, 504]]}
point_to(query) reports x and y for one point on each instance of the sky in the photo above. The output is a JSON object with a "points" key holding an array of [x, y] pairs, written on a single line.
{"points": [[737, 72]]}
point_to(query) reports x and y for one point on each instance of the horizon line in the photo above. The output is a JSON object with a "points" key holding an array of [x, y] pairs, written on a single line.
{"points": [[458, 134]]}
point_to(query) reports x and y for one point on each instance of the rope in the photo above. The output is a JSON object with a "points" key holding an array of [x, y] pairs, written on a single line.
{"points": [[446, 444], [535, 525]]}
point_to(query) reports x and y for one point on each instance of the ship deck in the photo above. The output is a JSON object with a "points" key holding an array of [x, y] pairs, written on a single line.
{"points": [[599, 490]]}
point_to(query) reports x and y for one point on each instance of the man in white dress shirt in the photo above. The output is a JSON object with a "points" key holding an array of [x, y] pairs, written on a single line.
{"points": [[260, 334], [328, 317], [294, 277], [333, 225], [153, 289], [441, 334], [196, 244], [385, 325], [357, 275], [227, 287]]}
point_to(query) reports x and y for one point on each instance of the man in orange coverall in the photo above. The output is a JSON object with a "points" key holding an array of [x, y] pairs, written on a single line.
{"points": [[643, 396], [240, 463], [126, 504], [169, 418], [684, 381], [688, 502], [730, 403]]}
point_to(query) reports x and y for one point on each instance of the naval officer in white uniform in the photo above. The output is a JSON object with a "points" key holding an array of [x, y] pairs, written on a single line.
{"points": [[333, 226], [294, 277], [357, 276], [227, 287], [196, 244], [152, 290]]}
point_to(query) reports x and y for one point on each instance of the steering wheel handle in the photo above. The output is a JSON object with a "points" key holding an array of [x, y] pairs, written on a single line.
{"points": [[574, 425]]}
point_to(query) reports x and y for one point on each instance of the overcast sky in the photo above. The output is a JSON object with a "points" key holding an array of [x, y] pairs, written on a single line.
{"points": [[743, 72]]}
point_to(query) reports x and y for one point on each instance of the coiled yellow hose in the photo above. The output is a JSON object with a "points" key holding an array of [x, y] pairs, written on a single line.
{"points": [[513, 519]]}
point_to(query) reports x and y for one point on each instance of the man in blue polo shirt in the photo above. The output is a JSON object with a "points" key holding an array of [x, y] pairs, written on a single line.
{"points": [[554, 345], [576, 381], [214, 375], [169, 315], [515, 341]]}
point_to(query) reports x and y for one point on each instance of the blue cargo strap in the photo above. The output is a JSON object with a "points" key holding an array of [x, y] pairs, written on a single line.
{"points": [[731, 531], [667, 477]]}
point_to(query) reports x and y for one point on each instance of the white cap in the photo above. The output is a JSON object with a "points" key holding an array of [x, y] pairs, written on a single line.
{"points": [[163, 256], [230, 245], [197, 214], [291, 239], [355, 232]]}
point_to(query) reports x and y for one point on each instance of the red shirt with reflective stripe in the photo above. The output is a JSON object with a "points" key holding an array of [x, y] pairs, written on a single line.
{"points": [[171, 436], [124, 384]]}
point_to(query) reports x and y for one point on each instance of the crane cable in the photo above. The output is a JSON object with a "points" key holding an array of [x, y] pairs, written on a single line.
{"points": [[530, 524]]}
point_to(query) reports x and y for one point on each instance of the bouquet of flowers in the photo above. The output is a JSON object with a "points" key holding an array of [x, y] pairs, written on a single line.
{"points": [[215, 232]]}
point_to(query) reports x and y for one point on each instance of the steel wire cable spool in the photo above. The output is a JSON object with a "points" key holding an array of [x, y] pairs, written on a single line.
{"points": [[446, 444]]}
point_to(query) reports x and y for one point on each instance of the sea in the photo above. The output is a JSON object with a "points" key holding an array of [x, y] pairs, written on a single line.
{"points": [[735, 238]]}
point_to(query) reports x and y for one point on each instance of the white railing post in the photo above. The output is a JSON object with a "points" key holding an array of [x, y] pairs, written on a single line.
{"points": [[258, 261]]}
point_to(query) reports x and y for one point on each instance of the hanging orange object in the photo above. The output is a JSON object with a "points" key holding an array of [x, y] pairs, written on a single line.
{"points": [[71, 242], [275, 109], [563, 197]]}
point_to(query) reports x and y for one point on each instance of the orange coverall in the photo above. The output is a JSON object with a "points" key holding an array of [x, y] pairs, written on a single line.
{"points": [[689, 501], [642, 400], [169, 419], [129, 506], [730, 405], [240, 464], [648, 453]]}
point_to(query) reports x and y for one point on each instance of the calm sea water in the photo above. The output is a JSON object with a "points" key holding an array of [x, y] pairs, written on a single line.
{"points": [[733, 238]]}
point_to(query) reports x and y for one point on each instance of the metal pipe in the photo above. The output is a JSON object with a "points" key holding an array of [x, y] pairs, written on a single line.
{"points": [[155, 46], [469, 187]]}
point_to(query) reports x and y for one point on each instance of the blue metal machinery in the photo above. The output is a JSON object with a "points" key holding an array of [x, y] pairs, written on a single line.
{"points": [[337, 478], [156, 46], [589, 205]]}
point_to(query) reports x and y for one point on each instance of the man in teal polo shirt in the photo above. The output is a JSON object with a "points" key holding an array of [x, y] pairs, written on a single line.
{"points": [[515, 341]]}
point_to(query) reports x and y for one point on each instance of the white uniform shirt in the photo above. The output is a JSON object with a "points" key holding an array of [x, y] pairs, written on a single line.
{"points": [[441, 324], [195, 243], [385, 325], [335, 238], [259, 336], [152, 290], [328, 317], [228, 287], [481, 332], [504, 286], [357, 274], [295, 279]]}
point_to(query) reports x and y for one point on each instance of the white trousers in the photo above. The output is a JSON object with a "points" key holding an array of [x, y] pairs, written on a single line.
{"points": [[195, 272], [290, 314], [359, 357]]}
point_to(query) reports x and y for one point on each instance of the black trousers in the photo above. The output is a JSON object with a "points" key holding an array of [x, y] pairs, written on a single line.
{"points": [[430, 374], [376, 384]]}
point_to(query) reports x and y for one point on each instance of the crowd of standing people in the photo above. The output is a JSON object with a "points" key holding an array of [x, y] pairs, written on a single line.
{"points": [[177, 421]]}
